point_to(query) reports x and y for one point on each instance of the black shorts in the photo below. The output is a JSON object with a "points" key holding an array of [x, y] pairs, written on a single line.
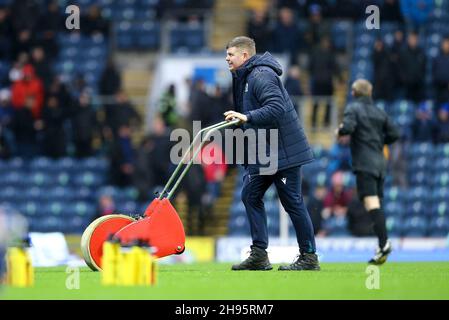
{"points": [[369, 185]]}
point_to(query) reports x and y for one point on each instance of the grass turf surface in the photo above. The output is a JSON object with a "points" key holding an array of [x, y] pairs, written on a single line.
{"points": [[215, 281]]}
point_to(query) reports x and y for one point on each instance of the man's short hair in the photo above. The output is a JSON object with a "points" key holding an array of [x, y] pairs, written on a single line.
{"points": [[243, 43], [362, 88]]}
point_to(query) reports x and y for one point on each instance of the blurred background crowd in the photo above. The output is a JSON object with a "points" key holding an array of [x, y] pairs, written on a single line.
{"points": [[74, 134]]}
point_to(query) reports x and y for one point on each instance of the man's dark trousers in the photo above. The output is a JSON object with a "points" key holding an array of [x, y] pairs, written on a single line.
{"points": [[288, 185]]}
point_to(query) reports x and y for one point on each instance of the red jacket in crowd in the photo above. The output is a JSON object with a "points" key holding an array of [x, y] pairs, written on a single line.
{"points": [[29, 85], [213, 162]]}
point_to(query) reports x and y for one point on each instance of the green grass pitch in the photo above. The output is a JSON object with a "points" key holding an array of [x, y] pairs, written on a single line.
{"points": [[215, 281]]}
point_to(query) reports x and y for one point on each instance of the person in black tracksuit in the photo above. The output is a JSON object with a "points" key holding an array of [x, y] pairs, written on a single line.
{"points": [[262, 103], [370, 129]]}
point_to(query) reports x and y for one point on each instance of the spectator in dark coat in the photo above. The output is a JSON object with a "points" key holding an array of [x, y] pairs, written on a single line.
{"points": [[121, 113], [219, 105], [395, 51], [383, 72], [152, 169], [25, 14], [25, 129], [23, 42], [442, 125], [6, 34], [259, 29], [199, 100], [7, 146], [315, 206], [412, 69], [41, 66], [440, 74], [391, 11], [293, 82], [54, 138], [60, 90], [93, 23], [422, 128], [50, 23], [285, 35], [110, 81], [293, 85], [318, 29], [6, 109], [323, 67], [84, 124], [122, 158]]}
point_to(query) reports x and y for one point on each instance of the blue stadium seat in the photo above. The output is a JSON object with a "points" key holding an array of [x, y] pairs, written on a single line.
{"points": [[440, 208], [394, 194], [30, 208], [417, 194], [42, 178], [14, 178], [440, 179], [415, 226], [62, 193], [34, 194], [65, 164], [63, 178], [393, 208], [237, 209], [42, 164], [186, 37], [394, 226], [89, 179], [439, 227], [82, 209], [420, 178], [337, 226], [149, 3], [128, 207], [442, 150], [48, 224], [423, 149], [239, 226], [148, 36], [146, 14], [84, 193], [441, 164], [420, 163], [440, 194], [56, 208], [75, 225], [418, 207]]}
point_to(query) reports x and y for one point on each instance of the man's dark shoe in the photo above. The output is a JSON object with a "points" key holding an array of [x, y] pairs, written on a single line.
{"points": [[305, 261], [381, 254], [257, 260]]}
